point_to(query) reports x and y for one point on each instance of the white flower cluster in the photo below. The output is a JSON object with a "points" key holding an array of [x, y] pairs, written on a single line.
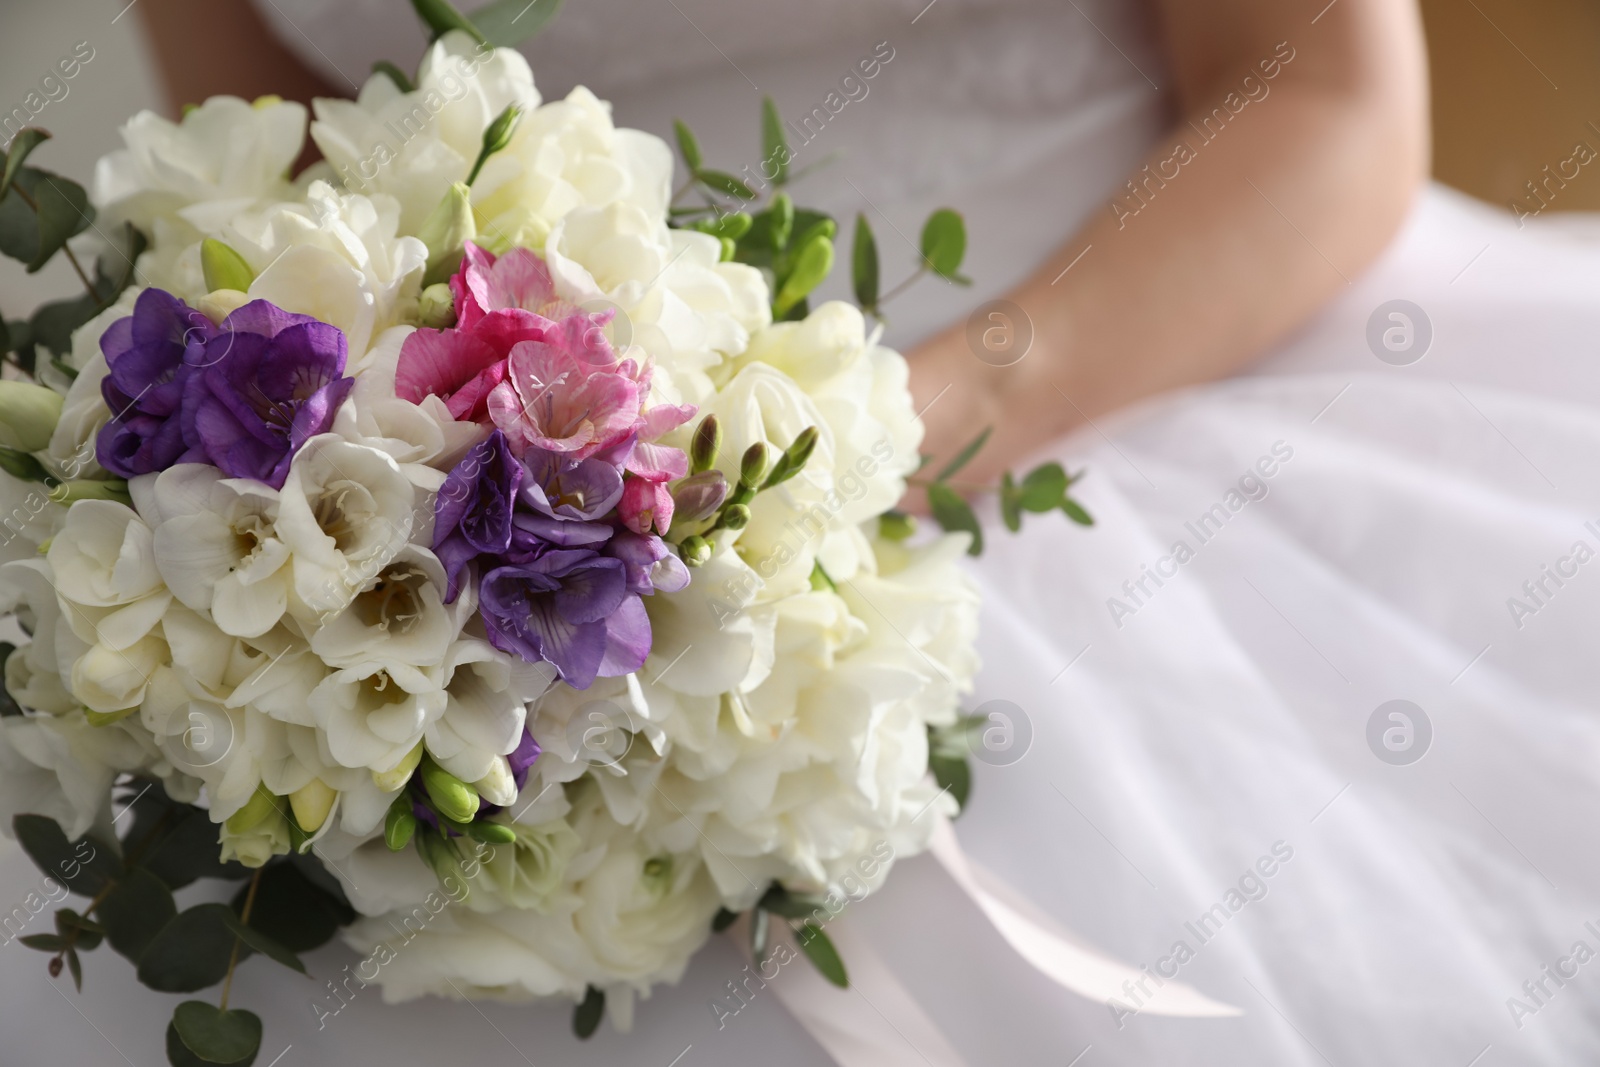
{"points": [[287, 655]]}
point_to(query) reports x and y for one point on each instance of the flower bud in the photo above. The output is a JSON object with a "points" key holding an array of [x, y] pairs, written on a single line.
{"points": [[261, 103], [22, 466], [437, 308], [91, 489], [220, 303], [311, 804], [28, 415], [753, 466], [695, 550], [255, 811], [223, 267], [896, 526], [491, 833], [390, 780], [453, 798], [496, 137], [707, 443], [793, 459], [498, 787], [699, 496], [446, 231], [734, 517], [400, 825]]}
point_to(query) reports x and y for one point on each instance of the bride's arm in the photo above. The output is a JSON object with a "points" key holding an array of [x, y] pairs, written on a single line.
{"points": [[1295, 195]]}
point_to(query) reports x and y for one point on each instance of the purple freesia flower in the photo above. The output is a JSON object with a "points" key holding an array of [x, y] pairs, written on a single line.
{"points": [[145, 354], [259, 387], [571, 607], [243, 396], [521, 760], [472, 513]]}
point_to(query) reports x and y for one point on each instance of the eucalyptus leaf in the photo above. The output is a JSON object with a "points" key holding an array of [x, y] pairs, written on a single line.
{"points": [[44, 942], [264, 944], [955, 515], [188, 851], [688, 147], [820, 951], [441, 17], [508, 23], [135, 911], [774, 148], [22, 146], [723, 919], [953, 773], [944, 242], [75, 967], [1010, 503], [965, 456], [1075, 511], [63, 212], [864, 265], [84, 866], [216, 1035], [1044, 488], [586, 1017], [192, 951], [89, 933], [291, 910], [780, 901]]}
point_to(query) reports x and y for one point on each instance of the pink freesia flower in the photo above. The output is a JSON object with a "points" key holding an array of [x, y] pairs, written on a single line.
{"points": [[516, 281], [645, 504], [566, 393]]}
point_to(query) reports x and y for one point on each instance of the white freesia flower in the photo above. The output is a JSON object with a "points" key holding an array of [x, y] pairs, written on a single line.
{"points": [[217, 548], [371, 717], [71, 452], [413, 145], [345, 511], [399, 620], [36, 672], [63, 767], [564, 156], [335, 256], [179, 180], [486, 699]]}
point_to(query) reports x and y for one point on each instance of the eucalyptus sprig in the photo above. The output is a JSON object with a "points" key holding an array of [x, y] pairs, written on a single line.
{"points": [[759, 224]]}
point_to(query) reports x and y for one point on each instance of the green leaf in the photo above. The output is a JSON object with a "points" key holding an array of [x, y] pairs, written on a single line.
{"points": [[84, 866], [135, 912], [64, 212], [192, 951], [944, 242], [864, 264], [22, 146], [1010, 503], [820, 951], [507, 23], [780, 901], [1044, 488], [75, 967], [394, 74], [178, 1053], [774, 149], [955, 515], [189, 851], [760, 932], [89, 933], [1076, 512], [264, 944], [215, 1035], [964, 457], [723, 919], [292, 910], [812, 264], [688, 147], [44, 942], [722, 182], [586, 1017], [441, 17], [952, 772]]}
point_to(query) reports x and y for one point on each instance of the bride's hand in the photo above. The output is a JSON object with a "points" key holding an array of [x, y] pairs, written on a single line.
{"points": [[1306, 138]]}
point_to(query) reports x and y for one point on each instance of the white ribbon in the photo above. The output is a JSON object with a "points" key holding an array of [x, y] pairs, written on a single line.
{"points": [[877, 1022]]}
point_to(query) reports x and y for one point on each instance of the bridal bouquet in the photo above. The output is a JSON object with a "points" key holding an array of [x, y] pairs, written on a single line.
{"points": [[465, 544]]}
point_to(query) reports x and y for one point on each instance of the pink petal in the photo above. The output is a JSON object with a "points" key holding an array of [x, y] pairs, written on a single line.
{"points": [[657, 463], [439, 362]]}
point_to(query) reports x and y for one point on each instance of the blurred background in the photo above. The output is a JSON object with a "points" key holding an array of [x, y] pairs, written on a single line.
{"points": [[1516, 90]]}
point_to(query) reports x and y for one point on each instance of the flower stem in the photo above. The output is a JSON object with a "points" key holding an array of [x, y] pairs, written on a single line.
{"points": [[902, 287], [970, 487], [244, 917]]}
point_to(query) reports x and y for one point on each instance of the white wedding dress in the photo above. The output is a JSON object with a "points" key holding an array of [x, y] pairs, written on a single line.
{"points": [[1188, 732]]}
